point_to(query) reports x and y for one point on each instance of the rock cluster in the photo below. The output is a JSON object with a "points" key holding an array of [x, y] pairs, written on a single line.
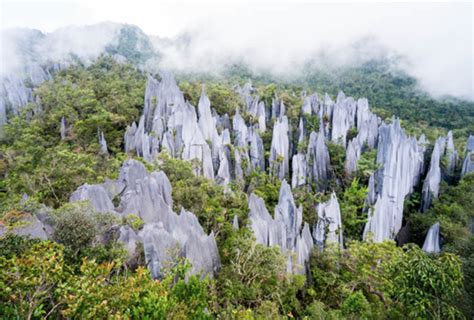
{"points": [[286, 230], [401, 159], [166, 235]]}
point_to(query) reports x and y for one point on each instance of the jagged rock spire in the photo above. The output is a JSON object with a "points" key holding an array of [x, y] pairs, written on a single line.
{"points": [[451, 153], [103, 144], [329, 219], [400, 160], [433, 178], [468, 164], [318, 160], [63, 129], [431, 244], [285, 230], [165, 235], [343, 118], [279, 152], [300, 170]]}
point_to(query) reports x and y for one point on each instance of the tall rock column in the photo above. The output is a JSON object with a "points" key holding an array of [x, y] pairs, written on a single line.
{"points": [[400, 161]]}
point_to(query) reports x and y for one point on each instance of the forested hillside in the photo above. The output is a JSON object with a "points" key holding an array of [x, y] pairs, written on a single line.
{"points": [[126, 195]]}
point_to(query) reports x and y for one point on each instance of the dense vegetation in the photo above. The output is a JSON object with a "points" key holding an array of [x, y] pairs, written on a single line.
{"points": [[79, 276]]}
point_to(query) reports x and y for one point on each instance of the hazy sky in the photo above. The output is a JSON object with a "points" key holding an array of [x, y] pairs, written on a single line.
{"points": [[436, 37]]}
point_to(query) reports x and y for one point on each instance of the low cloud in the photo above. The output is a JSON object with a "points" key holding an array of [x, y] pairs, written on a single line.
{"points": [[435, 39]]}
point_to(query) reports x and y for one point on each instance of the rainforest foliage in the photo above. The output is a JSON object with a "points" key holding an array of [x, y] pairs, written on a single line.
{"points": [[84, 273]]}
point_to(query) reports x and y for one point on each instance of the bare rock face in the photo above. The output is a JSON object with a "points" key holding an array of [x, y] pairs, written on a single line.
{"points": [[400, 159], [103, 144], [451, 153], [223, 176], [97, 196], [431, 244], [329, 219], [163, 245], [343, 118], [278, 109], [433, 178], [468, 164], [367, 124], [166, 236], [353, 152], [206, 121], [63, 128], [15, 91], [169, 123], [235, 223], [130, 240], [131, 171], [30, 226], [318, 160], [285, 230], [279, 152], [256, 153], [148, 199], [240, 130], [299, 168]]}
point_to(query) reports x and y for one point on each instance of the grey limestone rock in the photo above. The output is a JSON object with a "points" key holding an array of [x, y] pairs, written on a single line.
{"points": [[103, 144], [96, 195], [451, 153], [183, 238], [206, 121], [400, 160], [280, 147], [285, 230], [343, 118], [129, 238], [329, 218], [468, 163], [433, 177], [318, 160], [353, 152], [256, 152], [30, 226], [299, 168], [431, 244], [235, 222], [63, 129]]}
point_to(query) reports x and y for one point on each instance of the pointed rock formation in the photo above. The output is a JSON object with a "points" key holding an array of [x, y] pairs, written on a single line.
{"points": [[285, 230], [353, 153], [318, 160], [468, 164], [103, 144], [63, 129], [256, 153], [329, 219], [29, 226], [235, 223], [206, 121], [96, 195], [343, 116], [130, 240], [280, 147], [451, 153], [433, 178], [299, 168], [165, 235], [431, 244], [400, 160]]}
